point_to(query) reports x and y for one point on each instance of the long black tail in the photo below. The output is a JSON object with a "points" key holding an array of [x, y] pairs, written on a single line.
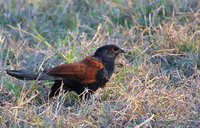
{"points": [[30, 75]]}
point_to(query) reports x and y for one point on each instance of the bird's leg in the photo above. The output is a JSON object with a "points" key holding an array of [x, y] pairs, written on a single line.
{"points": [[55, 89]]}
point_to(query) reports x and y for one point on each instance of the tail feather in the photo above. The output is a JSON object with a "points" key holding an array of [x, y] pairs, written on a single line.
{"points": [[30, 75]]}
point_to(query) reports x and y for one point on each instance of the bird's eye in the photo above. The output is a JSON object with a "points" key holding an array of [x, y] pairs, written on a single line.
{"points": [[114, 49]]}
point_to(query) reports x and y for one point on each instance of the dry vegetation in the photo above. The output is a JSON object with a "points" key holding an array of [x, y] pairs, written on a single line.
{"points": [[156, 83]]}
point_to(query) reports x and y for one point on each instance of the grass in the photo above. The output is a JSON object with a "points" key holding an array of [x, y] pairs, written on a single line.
{"points": [[156, 83]]}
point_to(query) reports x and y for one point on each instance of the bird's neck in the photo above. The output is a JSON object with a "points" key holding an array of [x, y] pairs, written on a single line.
{"points": [[109, 63]]}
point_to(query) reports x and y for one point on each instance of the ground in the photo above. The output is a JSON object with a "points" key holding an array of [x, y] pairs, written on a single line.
{"points": [[156, 82]]}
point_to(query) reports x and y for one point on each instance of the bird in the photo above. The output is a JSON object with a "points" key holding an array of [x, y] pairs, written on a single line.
{"points": [[93, 72]]}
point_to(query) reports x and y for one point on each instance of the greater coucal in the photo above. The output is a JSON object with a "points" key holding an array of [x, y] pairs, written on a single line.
{"points": [[92, 72]]}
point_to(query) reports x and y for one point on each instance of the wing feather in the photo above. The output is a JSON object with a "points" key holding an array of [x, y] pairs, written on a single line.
{"points": [[83, 72]]}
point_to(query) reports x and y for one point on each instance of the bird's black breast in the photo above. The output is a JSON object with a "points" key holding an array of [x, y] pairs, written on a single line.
{"points": [[101, 79]]}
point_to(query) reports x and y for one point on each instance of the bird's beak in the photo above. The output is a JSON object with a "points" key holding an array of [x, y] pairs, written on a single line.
{"points": [[121, 51]]}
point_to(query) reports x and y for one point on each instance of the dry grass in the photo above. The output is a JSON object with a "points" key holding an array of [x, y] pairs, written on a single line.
{"points": [[156, 83]]}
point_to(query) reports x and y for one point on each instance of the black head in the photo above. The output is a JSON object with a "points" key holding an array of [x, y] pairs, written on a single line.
{"points": [[108, 51], [107, 55]]}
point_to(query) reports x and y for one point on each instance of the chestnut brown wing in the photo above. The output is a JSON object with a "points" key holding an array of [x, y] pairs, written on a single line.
{"points": [[83, 72]]}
